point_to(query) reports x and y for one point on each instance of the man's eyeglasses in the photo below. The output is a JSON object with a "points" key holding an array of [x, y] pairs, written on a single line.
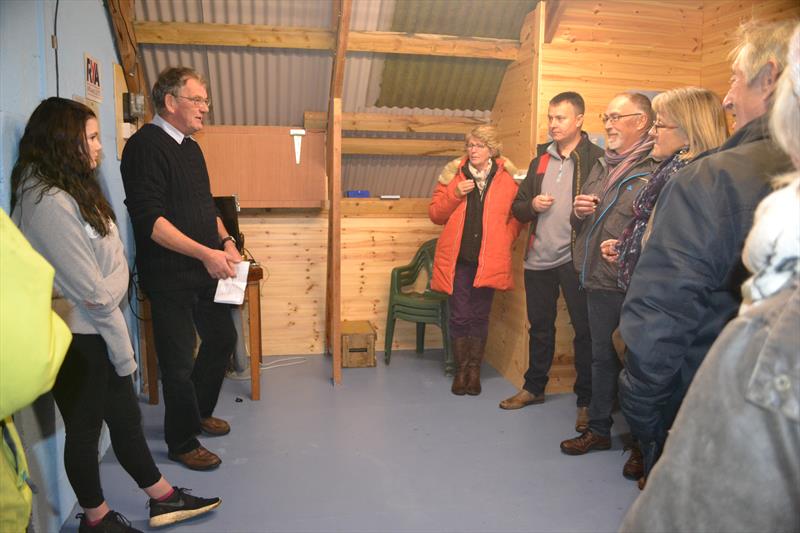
{"points": [[470, 146], [196, 100], [615, 118], [657, 126]]}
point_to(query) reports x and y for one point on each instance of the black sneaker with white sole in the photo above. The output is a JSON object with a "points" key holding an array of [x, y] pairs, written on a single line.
{"points": [[180, 506], [112, 522]]}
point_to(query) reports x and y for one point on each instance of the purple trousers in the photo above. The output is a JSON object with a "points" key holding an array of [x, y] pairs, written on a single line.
{"points": [[469, 306]]}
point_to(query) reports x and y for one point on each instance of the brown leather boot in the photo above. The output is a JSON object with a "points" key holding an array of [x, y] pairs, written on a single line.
{"points": [[461, 348], [634, 466], [477, 346], [584, 443], [582, 420]]}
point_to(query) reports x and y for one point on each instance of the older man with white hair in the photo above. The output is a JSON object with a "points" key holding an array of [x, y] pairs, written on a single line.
{"points": [[741, 416], [686, 286]]}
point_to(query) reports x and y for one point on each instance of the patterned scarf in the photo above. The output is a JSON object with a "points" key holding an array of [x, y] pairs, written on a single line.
{"points": [[620, 164], [630, 243], [480, 177]]}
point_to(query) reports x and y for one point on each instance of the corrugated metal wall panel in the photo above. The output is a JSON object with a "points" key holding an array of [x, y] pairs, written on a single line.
{"points": [[248, 86], [270, 86], [410, 177], [251, 87], [446, 82], [303, 13]]}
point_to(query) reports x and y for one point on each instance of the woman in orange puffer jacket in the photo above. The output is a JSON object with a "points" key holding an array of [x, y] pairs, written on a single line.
{"points": [[473, 254]]}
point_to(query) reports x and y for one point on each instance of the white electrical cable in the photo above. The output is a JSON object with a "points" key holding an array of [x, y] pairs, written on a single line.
{"points": [[284, 362]]}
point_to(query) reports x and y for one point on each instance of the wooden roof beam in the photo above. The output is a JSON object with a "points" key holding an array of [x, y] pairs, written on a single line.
{"points": [[395, 123], [342, 36], [409, 147], [257, 36], [554, 12], [249, 35], [426, 44], [122, 14], [333, 160]]}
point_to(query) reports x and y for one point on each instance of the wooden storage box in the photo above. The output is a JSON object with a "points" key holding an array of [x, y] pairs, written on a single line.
{"points": [[358, 344]]}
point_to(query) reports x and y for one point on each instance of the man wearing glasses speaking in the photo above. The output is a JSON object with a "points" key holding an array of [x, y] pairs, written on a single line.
{"points": [[182, 249], [600, 212]]}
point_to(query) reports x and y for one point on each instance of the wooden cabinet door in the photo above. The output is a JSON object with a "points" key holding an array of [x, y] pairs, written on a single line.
{"points": [[257, 163]]}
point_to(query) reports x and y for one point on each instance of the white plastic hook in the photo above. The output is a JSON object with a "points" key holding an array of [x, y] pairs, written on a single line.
{"points": [[298, 141]]}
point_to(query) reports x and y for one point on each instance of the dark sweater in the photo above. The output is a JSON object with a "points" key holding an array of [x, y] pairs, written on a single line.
{"points": [[165, 179]]}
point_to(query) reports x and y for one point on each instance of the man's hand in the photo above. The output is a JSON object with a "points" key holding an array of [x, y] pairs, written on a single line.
{"points": [[609, 249], [218, 264], [585, 205], [542, 202], [231, 252], [464, 188]]}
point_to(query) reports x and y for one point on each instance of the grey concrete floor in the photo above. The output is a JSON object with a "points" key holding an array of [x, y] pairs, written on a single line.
{"points": [[389, 450]]}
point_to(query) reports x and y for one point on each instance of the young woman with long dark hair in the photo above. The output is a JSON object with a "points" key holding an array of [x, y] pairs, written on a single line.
{"points": [[59, 206]]}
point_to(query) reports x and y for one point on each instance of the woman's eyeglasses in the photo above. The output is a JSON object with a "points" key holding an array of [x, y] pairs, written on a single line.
{"points": [[471, 146]]}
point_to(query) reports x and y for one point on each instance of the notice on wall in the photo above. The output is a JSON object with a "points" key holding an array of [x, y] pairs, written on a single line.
{"points": [[94, 90]]}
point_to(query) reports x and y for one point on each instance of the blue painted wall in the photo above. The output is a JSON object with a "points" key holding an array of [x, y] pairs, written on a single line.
{"points": [[28, 75]]}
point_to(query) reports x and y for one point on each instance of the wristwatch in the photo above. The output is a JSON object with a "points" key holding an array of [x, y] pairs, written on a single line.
{"points": [[226, 239]]}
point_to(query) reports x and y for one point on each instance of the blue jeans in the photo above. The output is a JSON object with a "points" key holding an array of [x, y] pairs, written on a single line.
{"points": [[191, 386], [604, 310]]}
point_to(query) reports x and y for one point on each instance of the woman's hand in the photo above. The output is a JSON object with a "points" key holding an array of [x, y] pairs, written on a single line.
{"points": [[464, 187], [542, 202], [585, 205], [609, 249]]}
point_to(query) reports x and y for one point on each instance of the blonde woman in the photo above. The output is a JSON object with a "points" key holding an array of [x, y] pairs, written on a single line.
{"points": [[473, 254], [689, 121]]}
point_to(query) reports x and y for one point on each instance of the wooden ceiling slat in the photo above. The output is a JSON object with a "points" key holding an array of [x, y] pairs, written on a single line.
{"points": [[410, 147], [395, 123], [257, 36]]}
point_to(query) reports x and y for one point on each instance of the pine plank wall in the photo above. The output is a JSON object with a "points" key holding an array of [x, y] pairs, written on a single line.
{"points": [[600, 49]]}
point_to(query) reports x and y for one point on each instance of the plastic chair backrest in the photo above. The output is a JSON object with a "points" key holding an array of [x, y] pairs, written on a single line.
{"points": [[423, 259]]}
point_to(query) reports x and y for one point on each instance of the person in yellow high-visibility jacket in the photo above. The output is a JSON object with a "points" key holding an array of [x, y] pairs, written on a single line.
{"points": [[33, 341]]}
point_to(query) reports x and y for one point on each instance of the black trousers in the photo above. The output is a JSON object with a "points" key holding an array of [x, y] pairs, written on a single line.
{"points": [[88, 391], [604, 311], [541, 293], [191, 386]]}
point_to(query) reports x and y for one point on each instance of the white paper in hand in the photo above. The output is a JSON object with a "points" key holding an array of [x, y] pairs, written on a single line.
{"points": [[231, 290]]}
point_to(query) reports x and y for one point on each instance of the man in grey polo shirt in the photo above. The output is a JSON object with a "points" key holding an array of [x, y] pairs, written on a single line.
{"points": [[544, 199]]}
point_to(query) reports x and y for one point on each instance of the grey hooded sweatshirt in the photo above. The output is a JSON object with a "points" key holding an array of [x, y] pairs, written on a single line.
{"points": [[91, 279]]}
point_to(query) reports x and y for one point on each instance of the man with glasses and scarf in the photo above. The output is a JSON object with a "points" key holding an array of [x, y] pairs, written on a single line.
{"points": [[182, 249], [600, 212]]}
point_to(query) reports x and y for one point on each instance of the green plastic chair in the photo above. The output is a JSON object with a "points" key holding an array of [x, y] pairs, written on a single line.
{"points": [[429, 307]]}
